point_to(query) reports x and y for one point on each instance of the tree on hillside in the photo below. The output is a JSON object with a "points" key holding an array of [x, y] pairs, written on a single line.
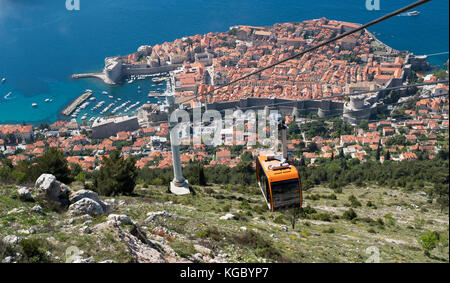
{"points": [[117, 175], [53, 162], [201, 176], [364, 124], [429, 241]]}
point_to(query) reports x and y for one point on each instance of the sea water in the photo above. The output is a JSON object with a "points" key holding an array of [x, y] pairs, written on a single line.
{"points": [[42, 43]]}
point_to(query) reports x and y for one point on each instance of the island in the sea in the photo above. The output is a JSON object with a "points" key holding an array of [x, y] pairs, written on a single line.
{"points": [[199, 63]]}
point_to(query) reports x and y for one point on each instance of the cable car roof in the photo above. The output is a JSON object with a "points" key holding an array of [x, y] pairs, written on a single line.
{"points": [[276, 175]]}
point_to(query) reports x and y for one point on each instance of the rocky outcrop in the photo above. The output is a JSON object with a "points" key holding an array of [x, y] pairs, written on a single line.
{"points": [[121, 219], [53, 189], [86, 206], [141, 249], [153, 215], [82, 194]]}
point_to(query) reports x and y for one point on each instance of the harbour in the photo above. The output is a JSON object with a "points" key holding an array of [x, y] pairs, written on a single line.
{"points": [[85, 54]]}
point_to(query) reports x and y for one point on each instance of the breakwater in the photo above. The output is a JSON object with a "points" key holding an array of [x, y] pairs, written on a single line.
{"points": [[76, 103]]}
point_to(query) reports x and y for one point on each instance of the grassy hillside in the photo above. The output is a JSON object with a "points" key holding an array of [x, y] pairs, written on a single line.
{"points": [[388, 222]]}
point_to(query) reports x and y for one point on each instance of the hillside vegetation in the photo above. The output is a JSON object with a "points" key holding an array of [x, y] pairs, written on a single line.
{"points": [[352, 212], [334, 227]]}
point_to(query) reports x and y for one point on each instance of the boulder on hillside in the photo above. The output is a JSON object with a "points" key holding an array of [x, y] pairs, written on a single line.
{"points": [[25, 194], [53, 189], [86, 206], [75, 196]]}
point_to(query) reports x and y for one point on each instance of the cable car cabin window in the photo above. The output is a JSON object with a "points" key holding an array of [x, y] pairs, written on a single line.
{"points": [[286, 194], [262, 178], [265, 185]]}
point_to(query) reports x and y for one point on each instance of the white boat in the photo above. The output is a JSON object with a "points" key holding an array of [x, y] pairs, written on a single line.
{"points": [[110, 96], [34, 105], [105, 92], [92, 98], [47, 100], [413, 13], [7, 95], [88, 90], [3, 80]]}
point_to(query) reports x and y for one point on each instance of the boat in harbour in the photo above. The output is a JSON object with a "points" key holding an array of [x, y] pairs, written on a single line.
{"points": [[159, 80], [155, 94], [3, 80], [34, 105]]}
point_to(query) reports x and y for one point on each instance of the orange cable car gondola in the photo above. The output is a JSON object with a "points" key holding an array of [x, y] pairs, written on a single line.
{"points": [[278, 180]]}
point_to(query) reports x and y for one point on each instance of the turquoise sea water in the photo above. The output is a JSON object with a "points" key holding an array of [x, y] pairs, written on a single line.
{"points": [[42, 44]]}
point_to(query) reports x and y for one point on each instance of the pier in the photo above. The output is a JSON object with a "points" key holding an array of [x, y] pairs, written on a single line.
{"points": [[76, 103], [101, 76]]}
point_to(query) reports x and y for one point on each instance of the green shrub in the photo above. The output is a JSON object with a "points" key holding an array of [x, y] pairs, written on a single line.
{"points": [[390, 219], [354, 201], [330, 230], [210, 233], [321, 216], [183, 249], [226, 208], [279, 220], [429, 241], [350, 214], [34, 250], [262, 247], [244, 205], [371, 204]]}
